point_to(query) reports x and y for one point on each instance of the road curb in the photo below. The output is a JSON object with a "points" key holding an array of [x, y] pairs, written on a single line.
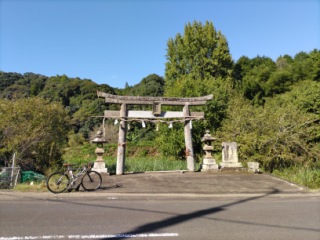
{"points": [[5, 196]]}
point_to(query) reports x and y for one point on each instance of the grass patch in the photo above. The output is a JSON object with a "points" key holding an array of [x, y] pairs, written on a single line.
{"points": [[144, 164], [139, 158], [85, 153], [31, 187], [80, 154], [300, 175]]}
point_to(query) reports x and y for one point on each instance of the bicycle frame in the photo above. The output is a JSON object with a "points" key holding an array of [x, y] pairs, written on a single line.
{"points": [[74, 177]]}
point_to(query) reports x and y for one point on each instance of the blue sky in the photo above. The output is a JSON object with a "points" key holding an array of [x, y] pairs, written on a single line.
{"points": [[119, 41]]}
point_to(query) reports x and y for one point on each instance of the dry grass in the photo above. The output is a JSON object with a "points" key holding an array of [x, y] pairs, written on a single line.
{"points": [[31, 187]]}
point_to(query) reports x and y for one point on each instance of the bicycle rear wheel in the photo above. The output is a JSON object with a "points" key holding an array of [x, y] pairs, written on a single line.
{"points": [[91, 181], [58, 182]]}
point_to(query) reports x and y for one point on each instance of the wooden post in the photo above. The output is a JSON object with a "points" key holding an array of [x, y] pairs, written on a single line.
{"points": [[188, 140], [122, 140]]}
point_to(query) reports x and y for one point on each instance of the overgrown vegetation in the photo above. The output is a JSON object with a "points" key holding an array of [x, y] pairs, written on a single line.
{"points": [[31, 187], [305, 176], [35, 130], [270, 108], [140, 157]]}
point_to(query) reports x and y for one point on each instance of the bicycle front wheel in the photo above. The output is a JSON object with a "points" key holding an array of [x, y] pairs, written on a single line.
{"points": [[58, 182], [91, 181]]}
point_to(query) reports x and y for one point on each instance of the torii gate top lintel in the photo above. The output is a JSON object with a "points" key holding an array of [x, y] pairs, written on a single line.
{"points": [[193, 101]]}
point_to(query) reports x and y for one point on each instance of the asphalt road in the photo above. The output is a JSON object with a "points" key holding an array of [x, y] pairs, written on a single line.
{"points": [[172, 205], [259, 216]]}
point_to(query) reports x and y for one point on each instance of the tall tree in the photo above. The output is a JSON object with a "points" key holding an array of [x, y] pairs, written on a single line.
{"points": [[199, 63], [195, 59]]}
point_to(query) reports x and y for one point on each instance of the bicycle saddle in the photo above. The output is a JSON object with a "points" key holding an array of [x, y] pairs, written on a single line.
{"points": [[68, 164]]}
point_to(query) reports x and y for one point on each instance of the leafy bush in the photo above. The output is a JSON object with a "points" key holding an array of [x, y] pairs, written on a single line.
{"points": [[277, 135], [35, 130], [171, 141]]}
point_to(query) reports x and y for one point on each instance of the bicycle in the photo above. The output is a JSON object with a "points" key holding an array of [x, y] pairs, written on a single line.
{"points": [[58, 182]]}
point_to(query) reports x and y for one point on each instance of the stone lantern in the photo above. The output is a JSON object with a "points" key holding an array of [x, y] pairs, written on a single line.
{"points": [[208, 162], [99, 164]]}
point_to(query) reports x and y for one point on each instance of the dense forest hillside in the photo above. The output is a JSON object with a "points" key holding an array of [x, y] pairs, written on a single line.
{"points": [[290, 81], [271, 108]]}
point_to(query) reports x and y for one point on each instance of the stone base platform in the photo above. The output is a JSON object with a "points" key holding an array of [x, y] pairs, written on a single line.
{"points": [[206, 168], [100, 167], [209, 164], [233, 169]]}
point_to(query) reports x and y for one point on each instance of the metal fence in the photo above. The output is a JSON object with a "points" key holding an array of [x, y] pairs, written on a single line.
{"points": [[9, 177]]}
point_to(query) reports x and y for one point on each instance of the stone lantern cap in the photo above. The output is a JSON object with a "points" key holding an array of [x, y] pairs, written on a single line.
{"points": [[207, 137], [99, 138]]}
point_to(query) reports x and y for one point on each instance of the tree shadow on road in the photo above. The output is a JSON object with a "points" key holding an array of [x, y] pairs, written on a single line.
{"points": [[154, 226]]}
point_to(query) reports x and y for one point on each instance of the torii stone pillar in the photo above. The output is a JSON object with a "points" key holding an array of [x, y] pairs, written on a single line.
{"points": [[188, 139], [121, 156]]}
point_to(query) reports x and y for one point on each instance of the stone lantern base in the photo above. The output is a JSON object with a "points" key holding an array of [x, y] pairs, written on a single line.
{"points": [[209, 164], [100, 167], [99, 164]]}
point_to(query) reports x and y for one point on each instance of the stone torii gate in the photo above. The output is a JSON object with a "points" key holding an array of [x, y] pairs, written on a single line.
{"points": [[156, 114]]}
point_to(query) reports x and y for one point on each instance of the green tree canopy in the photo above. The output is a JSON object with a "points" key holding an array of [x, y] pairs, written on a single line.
{"points": [[15, 85], [34, 129], [260, 77], [196, 58], [151, 85]]}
